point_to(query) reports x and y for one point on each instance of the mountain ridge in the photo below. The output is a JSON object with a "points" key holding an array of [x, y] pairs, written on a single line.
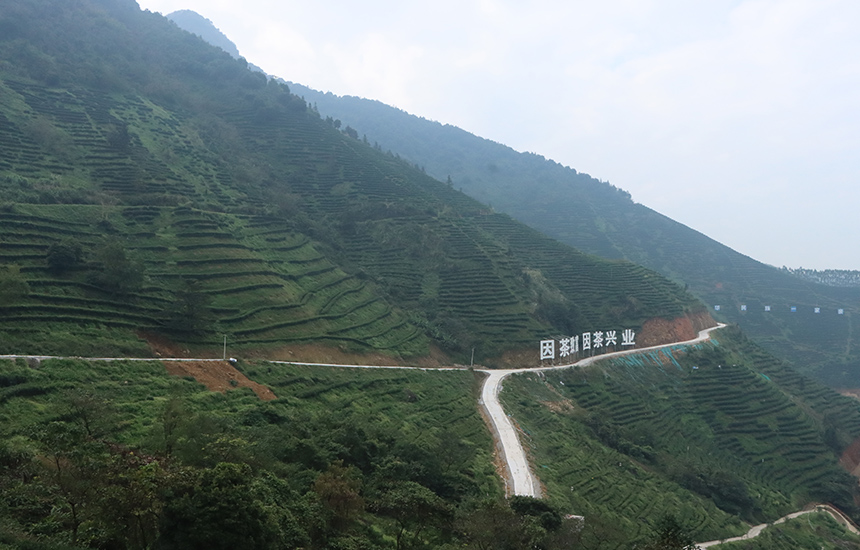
{"points": [[606, 221], [232, 199]]}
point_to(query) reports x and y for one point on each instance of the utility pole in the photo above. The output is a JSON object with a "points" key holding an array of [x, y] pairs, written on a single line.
{"points": [[472, 360], [225, 348]]}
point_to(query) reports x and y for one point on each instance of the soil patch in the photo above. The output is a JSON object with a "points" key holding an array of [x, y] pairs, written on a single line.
{"points": [[560, 407], [661, 331], [162, 346], [850, 392], [218, 376], [520, 358], [850, 459]]}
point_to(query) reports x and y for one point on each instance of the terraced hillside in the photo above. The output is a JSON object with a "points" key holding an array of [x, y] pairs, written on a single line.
{"points": [[601, 219], [725, 425], [152, 184], [262, 282]]}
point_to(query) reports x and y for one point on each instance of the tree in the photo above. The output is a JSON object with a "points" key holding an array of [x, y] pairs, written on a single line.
{"points": [[189, 312], [492, 526], [64, 255], [114, 270], [13, 287], [548, 517], [118, 137], [72, 464], [670, 535], [414, 508], [172, 420], [215, 509], [338, 488], [93, 413], [599, 532]]}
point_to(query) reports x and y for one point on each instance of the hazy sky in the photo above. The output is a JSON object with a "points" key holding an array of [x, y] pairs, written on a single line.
{"points": [[740, 119]]}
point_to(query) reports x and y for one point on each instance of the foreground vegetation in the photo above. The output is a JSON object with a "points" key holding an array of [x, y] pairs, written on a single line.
{"points": [[123, 455], [140, 459], [341, 459]]}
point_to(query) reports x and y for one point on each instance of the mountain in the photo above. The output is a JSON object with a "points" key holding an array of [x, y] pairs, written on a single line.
{"points": [[195, 23], [596, 217], [159, 197], [149, 178]]}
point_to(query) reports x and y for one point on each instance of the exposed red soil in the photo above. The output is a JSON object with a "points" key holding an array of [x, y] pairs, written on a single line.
{"points": [[850, 459], [515, 359], [663, 331], [218, 376], [162, 346], [850, 392]]}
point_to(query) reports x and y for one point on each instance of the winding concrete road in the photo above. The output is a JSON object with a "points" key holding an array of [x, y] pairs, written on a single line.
{"points": [[520, 480]]}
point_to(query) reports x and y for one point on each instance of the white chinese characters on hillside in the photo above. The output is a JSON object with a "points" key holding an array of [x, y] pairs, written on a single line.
{"points": [[547, 349], [589, 340]]}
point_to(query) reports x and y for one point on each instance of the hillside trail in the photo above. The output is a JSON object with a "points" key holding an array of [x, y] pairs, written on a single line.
{"points": [[757, 530]]}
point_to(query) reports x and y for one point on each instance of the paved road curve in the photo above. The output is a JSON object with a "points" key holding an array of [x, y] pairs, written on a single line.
{"points": [[520, 480]]}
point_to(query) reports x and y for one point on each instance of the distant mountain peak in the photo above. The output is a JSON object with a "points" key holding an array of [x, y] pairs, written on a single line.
{"points": [[195, 23]]}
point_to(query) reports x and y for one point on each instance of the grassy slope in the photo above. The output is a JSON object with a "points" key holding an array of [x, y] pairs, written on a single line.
{"points": [[598, 218], [205, 172]]}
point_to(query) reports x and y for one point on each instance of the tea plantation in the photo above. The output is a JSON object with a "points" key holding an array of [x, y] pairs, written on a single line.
{"points": [[718, 432]]}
